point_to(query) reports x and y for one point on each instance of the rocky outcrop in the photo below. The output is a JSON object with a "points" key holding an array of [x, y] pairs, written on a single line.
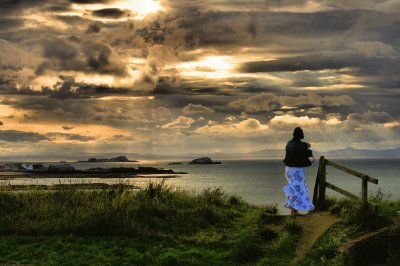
{"points": [[116, 159], [38, 166], [111, 172], [60, 168], [368, 249], [204, 160]]}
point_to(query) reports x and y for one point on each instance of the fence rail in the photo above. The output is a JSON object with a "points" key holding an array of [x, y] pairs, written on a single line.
{"points": [[321, 184]]}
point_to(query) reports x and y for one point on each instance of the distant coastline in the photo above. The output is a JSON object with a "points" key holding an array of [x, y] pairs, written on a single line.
{"points": [[347, 153]]}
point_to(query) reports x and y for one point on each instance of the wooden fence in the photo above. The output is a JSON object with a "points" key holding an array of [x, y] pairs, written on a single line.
{"points": [[321, 184]]}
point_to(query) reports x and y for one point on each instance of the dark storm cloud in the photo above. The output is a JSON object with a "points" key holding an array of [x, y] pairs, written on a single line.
{"points": [[99, 57], [308, 62], [93, 28], [49, 109], [352, 45], [65, 136], [90, 1], [376, 71], [155, 33], [67, 127], [371, 117], [167, 88], [9, 7], [252, 29], [89, 56], [59, 8], [68, 88], [59, 48], [221, 29], [65, 89], [166, 85], [72, 20], [20, 136], [109, 13], [10, 23]]}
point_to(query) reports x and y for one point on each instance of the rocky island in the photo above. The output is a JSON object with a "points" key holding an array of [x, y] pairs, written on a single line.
{"points": [[204, 160], [119, 159], [67, 170]]}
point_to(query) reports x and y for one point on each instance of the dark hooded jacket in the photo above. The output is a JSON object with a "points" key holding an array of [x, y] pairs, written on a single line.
{"points": [[297, 154]]}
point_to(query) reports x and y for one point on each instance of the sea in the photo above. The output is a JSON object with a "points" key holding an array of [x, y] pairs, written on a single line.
{"points": [[256, 181]]}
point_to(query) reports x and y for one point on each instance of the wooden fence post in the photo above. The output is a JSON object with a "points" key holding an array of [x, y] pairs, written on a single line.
{"points": [[321, 182], [316, 187], [364, 191]]}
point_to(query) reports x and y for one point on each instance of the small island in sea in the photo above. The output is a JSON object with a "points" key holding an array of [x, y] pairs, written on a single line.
{"points": [[204, 160], [121, 158], [69, 171]]}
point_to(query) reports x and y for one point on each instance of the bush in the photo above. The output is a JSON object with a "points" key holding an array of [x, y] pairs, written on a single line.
{"points": [[155, 210], [353, 213]]}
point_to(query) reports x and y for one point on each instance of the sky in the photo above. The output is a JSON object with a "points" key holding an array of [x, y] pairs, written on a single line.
{"points": [[172, 77]]}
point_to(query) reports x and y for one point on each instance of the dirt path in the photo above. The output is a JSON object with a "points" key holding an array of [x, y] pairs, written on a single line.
{"points": [[314, 225]]}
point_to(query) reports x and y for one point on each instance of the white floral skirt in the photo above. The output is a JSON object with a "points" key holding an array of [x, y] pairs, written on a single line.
{"points": [[296, 190]]}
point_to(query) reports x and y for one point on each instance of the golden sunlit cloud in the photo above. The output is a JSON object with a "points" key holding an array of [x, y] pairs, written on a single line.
{"points": [[335, 87], [248, 126], [99, 132], [126, 98], [159, 74], [129, 81], [392, 124], [333, 121], [293, 120], [307, 7], [209, 67], [38, 21], [6, 110]]}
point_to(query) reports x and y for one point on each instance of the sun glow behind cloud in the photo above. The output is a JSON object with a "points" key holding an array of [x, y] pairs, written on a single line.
{"points": [[138, 8], [158, 74], [209, 67]]}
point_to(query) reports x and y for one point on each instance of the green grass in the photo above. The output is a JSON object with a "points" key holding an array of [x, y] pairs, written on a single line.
{"points": [[157, 225], [282, 249], [355, 220], [90, 250], [160, 225]]}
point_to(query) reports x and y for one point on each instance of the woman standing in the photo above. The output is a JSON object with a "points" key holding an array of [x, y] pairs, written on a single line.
{"points": [[296, 159]]}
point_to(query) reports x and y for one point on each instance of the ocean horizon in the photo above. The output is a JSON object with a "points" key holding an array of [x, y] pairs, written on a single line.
{"points": [[256, 181]]}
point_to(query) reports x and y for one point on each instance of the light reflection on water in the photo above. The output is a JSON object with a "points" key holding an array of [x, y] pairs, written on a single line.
{"points": [[257, 181]]}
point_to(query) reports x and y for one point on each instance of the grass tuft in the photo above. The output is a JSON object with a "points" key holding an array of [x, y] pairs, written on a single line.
{"points": [[164, 226]]}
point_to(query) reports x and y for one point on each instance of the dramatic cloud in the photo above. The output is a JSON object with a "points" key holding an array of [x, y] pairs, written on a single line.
{"points": [[371, 117], [196, 109], [20, 136], [109, 13], [270, 101], [67, 127], [56, 136], [248, 126], [316, 100], [260, 102], [180, 122], [293, 121], [179, 76]]}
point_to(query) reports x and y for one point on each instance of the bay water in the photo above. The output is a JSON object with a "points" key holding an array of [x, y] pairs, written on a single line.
{"points": [[256, 181]]}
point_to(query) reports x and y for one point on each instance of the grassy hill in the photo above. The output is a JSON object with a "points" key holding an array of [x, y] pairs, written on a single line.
{"points": [[160, 225]]}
